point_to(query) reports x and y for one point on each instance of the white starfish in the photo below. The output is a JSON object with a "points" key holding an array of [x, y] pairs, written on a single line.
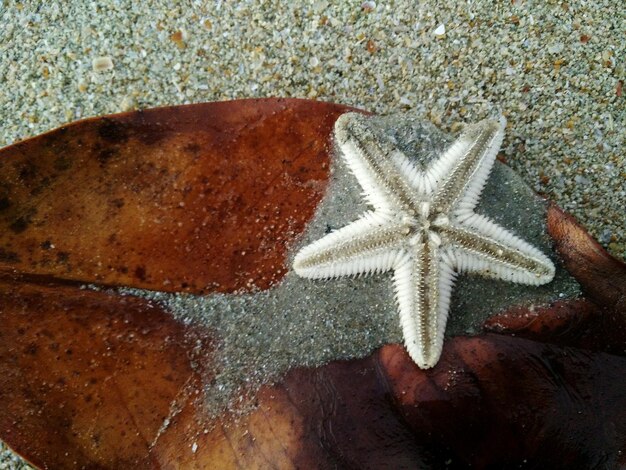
{"points": [[423, 227]]}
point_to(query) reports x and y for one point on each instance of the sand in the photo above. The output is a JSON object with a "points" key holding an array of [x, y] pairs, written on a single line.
{"points": [[555, 69]]}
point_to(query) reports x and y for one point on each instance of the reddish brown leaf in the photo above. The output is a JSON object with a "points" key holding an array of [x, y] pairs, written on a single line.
{"points": [[273, 436], [197, 198], [87, 378], [492, 402], [95, 379], [602, 276], [543, 322], [503, 402]]}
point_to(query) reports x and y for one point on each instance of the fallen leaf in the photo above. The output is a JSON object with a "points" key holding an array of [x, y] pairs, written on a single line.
{"points": [[92, 378]]}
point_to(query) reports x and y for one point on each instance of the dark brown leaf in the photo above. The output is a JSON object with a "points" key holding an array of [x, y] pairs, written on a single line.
{"points": [[207, 198], [157, 199], [87, 378]]}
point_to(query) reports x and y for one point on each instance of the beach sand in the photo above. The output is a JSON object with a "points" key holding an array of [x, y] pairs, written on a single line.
{"points": [[555, 69]]}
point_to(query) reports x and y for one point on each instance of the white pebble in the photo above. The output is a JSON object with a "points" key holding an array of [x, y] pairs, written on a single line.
{"points": [[556, 48], [100, 64], [440, 31], [368, 6]]}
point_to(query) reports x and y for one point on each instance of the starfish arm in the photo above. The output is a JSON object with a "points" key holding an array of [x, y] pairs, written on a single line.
{"points": [[484, 247], [461, 173], [369, 245], [423, 282], [378, 166]]}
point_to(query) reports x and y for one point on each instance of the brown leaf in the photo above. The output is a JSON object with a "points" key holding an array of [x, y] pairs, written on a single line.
{"points": [[492, 402], [199, 198], [503, 402], [196, 198], [602, 276], [95, 379], [87, 378]]}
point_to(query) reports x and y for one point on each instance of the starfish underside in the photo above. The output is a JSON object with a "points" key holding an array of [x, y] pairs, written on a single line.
{"points": [[423, 227]]}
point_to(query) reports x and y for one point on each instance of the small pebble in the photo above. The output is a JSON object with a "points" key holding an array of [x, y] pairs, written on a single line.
{"points": [[368, 6], [100, 64]]}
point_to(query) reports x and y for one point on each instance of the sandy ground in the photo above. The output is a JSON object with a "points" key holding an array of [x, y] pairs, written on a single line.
{"points": [[555, 69]]}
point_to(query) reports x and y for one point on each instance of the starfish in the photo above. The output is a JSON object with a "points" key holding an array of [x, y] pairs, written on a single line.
{"points": [[423, 228]]}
